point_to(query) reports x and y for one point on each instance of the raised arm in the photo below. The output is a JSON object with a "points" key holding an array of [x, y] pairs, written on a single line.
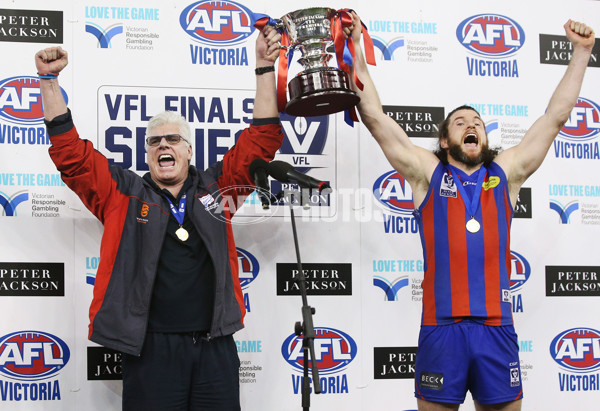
{"points": [[414, 163], [267, 51], [520, 161], [51, 61]]}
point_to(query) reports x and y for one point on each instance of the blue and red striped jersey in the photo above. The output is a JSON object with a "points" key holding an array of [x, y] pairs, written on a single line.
{"points": [[466, 274]]}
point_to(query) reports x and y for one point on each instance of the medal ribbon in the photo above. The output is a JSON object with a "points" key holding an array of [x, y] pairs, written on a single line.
{"points": [[179, 214], [472, 205]]}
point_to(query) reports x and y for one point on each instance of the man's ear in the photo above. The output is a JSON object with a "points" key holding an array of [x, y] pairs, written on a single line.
{"points": [[444, 142]]}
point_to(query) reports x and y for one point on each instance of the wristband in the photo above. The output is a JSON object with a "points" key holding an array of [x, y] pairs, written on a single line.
{"points": [[47, 75], [262, 70]]}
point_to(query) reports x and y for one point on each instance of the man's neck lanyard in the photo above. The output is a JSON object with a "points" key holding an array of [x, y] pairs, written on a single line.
{"points": [[179, 214]]}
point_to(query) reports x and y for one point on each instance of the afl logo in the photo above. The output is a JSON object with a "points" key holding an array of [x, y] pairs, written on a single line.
{"points": [[20, 100], [32, 355], [584, 121], [248, 267], [577, 349], [490, 35], [392, 190], [334, 350], [520, 271], [221, 23]]}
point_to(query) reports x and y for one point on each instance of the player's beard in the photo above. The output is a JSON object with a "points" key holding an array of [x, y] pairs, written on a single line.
{"points": [[486, 155]]}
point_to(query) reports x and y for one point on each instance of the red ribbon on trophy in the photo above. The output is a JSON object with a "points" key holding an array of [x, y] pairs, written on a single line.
{"points": [[319, 89]]}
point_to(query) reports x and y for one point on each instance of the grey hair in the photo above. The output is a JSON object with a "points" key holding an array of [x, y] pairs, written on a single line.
{"points": [[170, 117]]}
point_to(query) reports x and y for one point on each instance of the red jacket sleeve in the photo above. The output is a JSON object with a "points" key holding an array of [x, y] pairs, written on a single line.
{"points": [[84, 170], [255, 142]]}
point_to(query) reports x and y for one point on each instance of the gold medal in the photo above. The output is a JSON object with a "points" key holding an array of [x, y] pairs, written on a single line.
{"points": [[473, 225], [182, 234]]}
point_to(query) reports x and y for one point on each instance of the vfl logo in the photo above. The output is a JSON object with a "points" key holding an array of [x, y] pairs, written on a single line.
{"points": [[248, 267], [20, 100], [392, 190], [32, 355], [387, 49], [520, 271], [577, 349], [583, 123], [334, 350], [10, 203], [304, 136], [104, 36], [222, 23], [390, 288], [564, 212], [490, 35]]}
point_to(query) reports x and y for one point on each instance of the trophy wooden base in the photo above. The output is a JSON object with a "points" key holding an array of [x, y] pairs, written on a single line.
{"points": [[319, 92]]}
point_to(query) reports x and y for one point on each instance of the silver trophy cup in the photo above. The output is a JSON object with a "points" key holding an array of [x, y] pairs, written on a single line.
{"points": [[318, 89]]}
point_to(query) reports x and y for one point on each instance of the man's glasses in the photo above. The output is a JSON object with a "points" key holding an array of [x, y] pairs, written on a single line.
{"points": [[172, 139]]}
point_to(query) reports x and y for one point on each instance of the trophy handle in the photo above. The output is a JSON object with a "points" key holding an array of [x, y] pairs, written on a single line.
{"points": [[280, 27]]}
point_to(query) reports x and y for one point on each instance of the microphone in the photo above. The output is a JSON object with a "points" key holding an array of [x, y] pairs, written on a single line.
{"points": [[285, 172], [258, 173]]}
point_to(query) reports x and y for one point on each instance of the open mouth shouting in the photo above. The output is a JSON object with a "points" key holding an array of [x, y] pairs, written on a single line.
{"points": [[166, 160], [471, 140]]}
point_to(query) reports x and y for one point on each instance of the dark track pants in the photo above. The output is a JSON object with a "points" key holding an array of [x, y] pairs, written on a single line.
{"points": [[182, 372]]}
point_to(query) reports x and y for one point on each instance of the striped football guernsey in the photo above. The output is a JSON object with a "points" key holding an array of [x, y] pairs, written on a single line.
{"points": [[466, 274]]}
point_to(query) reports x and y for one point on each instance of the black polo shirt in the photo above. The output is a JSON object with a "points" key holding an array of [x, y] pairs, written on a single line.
{"points": [[183, 291]]}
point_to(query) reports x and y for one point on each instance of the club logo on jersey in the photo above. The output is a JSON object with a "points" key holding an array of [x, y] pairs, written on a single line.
{"points": [[490, 35], [20, 100], [32, 355], [577, 349], [393, 191], [448, 187], [222, 23], [334, 350], [584, 121], [248, 267], [520, 271]]}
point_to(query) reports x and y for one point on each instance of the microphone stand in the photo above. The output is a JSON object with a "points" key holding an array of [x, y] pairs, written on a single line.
{"points": [[306, 329]]}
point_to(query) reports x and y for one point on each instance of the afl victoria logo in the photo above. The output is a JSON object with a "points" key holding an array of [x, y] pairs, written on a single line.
{"points": [[394, 192], [220, 23], [490, 35], [334, 350], [577, 349], [584, 121], [248, 265], [32, 355], [21, 101], [520, 271]]}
